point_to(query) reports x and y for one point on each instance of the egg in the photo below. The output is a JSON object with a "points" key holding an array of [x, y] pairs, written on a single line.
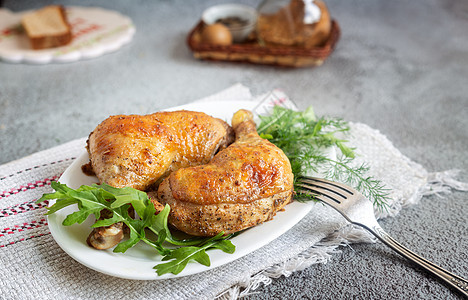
{"points": [[216, 34]]}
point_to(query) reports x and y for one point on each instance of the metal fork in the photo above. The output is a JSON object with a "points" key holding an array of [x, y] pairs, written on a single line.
{"points": [[359, 210]]}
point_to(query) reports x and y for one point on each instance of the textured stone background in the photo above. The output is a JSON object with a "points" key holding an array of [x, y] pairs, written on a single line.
{"points": [[400, 67]]}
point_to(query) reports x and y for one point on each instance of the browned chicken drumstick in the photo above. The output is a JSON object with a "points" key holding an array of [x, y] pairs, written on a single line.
{"points": [[139, 151], [243, 185]]}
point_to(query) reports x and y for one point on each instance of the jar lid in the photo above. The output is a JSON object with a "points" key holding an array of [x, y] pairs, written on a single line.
{"points": [[312, 12]]}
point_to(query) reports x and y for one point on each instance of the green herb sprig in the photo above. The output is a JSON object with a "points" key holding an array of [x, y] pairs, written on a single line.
{"points": [[96, 198], [304, 139]]}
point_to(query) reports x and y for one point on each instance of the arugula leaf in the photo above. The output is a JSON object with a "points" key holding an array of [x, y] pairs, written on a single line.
{"points": [[159, 224], [180, 257], [127, 195], [95, 198], [127, 244]]}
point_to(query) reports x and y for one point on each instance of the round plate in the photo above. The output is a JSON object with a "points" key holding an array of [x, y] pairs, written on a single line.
{"points": [[95, 31], [138, 262]]}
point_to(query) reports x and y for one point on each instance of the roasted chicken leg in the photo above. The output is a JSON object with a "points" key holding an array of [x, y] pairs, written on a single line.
{"points": [[244, 185], [138, 151]]}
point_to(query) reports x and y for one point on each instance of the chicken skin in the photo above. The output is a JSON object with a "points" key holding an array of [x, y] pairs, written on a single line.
{"points": [[139, 151], [242, 186]]}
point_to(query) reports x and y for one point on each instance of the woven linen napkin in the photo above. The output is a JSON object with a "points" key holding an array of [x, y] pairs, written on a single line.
{"points": [[35, 267]]}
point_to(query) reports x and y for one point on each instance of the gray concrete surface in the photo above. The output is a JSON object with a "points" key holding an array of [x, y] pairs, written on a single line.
{"points": [[400, 67]]}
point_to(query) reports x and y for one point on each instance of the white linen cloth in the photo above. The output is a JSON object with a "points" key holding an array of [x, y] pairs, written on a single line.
{"points": [[35, 267]]}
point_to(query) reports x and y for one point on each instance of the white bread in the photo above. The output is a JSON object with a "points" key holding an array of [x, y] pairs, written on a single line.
{"points": [[47, 27]]}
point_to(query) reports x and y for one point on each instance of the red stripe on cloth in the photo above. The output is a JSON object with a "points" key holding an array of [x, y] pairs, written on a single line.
{"points": [[23, 227], [36, 167], [22, 208], [29, 186], [24, 239]]}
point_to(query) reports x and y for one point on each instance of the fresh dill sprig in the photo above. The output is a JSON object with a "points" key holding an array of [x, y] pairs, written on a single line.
{"points": [[342, 170], [304, 139]]}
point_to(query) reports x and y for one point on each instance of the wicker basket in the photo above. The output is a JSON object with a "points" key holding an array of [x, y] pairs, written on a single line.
{"points": [[253, 52]]}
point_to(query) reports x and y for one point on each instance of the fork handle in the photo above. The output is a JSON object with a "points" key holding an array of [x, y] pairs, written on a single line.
{"points": [[453, 280]]}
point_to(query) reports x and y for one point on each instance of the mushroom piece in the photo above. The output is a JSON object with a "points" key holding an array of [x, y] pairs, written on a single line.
{"points": [[106, 237]]}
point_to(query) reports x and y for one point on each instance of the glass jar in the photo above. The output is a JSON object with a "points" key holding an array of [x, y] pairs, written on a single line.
{"points": [[301, 23]]}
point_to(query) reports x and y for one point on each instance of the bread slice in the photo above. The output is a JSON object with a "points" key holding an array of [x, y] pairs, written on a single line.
{"points": [[47, 27]]}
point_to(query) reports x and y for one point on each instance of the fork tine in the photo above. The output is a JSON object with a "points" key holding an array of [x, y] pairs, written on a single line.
{"points": [[320, 194], [341, 190], [331, 185]]}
